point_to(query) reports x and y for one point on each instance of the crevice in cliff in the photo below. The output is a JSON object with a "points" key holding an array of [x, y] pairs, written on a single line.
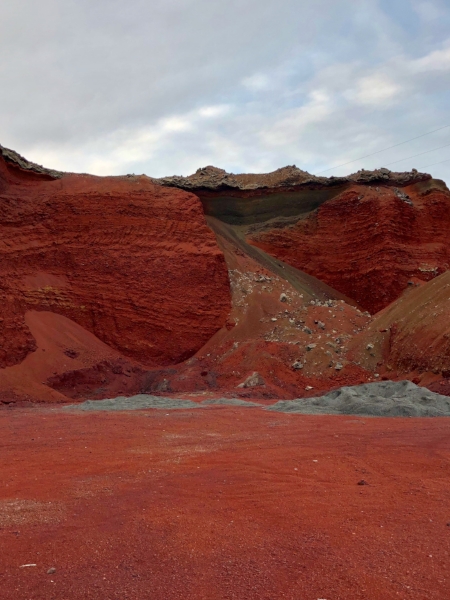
{"points": [[312, 287]]}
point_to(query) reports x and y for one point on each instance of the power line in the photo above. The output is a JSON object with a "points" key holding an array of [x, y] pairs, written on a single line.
{"points": [[438, 163], [384, 150], [414, 155]]}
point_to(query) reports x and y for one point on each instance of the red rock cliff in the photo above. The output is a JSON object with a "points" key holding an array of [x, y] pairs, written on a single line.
{"points": [[368, 242], [132, 262]]}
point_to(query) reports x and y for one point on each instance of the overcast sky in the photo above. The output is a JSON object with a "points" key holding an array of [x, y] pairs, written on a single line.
{"points": [[164, 87]]}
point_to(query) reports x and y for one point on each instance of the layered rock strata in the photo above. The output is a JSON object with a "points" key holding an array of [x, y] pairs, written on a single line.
{"points": [[368, 242], [366, 235], [214, 179], [121, 285], [131, 262]]}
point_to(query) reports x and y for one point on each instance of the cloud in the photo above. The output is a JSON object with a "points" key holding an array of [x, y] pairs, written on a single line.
{"points": [[376, 89], [429, 11], [249, 85], [439, 60], [256, 82]]}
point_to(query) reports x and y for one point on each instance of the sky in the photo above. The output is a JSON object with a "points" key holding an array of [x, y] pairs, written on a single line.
{"points": [[164, 87]]}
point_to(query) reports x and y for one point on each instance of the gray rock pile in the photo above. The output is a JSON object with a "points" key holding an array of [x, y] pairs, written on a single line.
{"points": [[379, 399]]}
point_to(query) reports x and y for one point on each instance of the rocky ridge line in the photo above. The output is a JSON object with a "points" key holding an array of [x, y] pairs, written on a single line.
{"points": [[18, 161], [213, 178]]}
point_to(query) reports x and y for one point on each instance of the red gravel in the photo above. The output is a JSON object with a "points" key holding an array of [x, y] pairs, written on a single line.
{"points": [[222, 503]]}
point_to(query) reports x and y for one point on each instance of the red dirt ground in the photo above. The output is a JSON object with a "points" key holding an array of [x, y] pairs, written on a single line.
{"points": [[223, 503]]}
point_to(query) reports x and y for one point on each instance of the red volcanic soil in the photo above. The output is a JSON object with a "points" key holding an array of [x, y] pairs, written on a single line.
{"points": [[368, 241], [119, 285], [122, 285], [63, 347], [274, 325], [219, 503], [411, 337], [129, 261]]}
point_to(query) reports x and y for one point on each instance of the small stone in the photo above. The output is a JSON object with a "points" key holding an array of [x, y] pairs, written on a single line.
{"points": [[307, 330], [369, 346], [310, 347], [308, 388], [51, 571], [253, 380], [403, 196], [273, 319], [297, 365], [339, 366], [283, 298], [362, 482], [163, 386]]}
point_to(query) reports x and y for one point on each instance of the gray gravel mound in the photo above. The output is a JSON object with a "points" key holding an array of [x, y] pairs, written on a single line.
{"points": [[380, 399], [133, 403], [147, 401], [231, 402]]}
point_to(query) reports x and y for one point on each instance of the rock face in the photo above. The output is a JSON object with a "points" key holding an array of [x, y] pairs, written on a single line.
{"points": [[249, 285], [365, 235], [131, 262], [367, 242]]}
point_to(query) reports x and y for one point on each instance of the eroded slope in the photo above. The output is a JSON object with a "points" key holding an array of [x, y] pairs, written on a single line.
{"points": [[411, 337]]}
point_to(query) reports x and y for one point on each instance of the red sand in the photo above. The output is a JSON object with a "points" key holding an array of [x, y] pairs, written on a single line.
{"points": [[62, 347], [223, 503], [410, 339]]}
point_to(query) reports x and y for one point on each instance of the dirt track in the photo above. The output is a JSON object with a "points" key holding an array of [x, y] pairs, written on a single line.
{"points": [[222, 503]]}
